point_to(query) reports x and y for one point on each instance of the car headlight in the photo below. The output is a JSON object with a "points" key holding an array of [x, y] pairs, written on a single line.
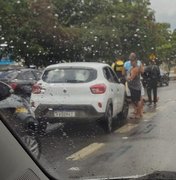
{"points": [[21, 110]]}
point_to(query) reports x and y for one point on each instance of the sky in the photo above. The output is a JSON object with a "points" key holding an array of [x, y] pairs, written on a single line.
{"points": [[165, 11]]}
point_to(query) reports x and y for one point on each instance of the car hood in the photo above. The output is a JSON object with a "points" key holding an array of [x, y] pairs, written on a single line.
{"points": [[155, 175], [12, 102]]}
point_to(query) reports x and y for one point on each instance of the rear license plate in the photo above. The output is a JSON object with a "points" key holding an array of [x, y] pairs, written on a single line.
{"points": [[64, 114]]}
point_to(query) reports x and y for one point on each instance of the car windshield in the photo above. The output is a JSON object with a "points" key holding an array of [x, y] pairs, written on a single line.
{"points": [[89, 85], [69, 75], [8, 74]]}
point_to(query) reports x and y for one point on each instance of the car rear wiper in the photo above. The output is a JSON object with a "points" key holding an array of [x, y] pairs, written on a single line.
{"points": [[74, 81]]}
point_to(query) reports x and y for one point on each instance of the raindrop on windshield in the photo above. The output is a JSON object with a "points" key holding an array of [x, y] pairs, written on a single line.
{"points": [[137, 29]]}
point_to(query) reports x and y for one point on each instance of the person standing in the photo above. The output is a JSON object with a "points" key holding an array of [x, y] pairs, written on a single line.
{"points": [[127, 64], [134, 85], [153, 75], [127, 67], [118, 67]]}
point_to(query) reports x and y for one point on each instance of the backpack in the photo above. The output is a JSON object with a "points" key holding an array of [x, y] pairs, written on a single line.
{"points": [[118, 66], [154, 73]]}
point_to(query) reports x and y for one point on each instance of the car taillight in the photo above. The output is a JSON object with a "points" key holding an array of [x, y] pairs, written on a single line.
{"points": [[13, 85], [36, 89], [98, 89]]}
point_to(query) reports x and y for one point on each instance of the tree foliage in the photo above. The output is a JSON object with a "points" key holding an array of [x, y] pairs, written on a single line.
{"points": [[43, 32]]}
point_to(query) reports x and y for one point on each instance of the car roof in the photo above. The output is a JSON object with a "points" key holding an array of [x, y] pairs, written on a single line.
{"points": [[95, 65], [19, 69]]}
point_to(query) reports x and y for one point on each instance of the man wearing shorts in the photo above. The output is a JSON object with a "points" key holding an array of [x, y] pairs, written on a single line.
{"points": [[134, 85]]}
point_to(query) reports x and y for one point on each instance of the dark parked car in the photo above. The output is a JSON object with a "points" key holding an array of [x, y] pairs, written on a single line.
{"points": [[164, 78], [18, 113], [21, 80]]}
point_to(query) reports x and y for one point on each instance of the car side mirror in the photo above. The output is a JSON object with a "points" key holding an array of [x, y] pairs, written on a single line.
{"points": [[5, 91], [122, 80], [11, 91]]}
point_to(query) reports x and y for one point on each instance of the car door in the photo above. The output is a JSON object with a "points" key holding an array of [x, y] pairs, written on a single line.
{"points": [[113, 89], [119, 91]]}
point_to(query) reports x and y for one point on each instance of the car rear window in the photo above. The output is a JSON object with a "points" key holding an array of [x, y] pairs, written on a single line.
{"points": [[69, 75], [8, 75]]}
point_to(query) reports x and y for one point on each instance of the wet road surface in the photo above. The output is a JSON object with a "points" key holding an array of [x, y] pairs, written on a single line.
{"points": [[134, 148]]}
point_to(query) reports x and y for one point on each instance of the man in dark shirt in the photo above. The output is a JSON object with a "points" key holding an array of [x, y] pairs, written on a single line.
{"points": [[152, 73]]}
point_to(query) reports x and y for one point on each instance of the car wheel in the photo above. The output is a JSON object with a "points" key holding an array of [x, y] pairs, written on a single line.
{"points": [[108, 120], [42, 127], [32, 145], [124, 113]]}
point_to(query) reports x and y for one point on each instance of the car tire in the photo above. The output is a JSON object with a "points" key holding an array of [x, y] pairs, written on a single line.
{"points": [[32, 145], [122, 116], [42, 127], [108, 120]]}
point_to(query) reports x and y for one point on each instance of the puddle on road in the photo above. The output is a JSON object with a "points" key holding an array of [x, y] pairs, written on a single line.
{"points": [[144, 130]]}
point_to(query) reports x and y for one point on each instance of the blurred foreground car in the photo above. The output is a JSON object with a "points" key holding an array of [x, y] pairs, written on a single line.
{"points": [[21, 80], [81, 92], [20, 117]]}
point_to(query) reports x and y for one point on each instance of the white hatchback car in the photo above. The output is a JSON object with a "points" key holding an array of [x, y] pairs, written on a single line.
{"points": [[79, 91]]}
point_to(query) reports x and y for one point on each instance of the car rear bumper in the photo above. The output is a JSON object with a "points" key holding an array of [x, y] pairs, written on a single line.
{"points": [[81, 113]]}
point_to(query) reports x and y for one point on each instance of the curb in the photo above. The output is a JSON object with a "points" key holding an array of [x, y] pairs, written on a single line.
{"points": [[172, 78]]}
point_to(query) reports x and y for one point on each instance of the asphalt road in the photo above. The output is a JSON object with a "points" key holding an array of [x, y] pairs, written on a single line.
{"points": [[134, 148]]}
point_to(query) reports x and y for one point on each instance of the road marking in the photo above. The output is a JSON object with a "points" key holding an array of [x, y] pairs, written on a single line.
{"points": [[126, 128], [149, 115], [125, 138], [74, 169], [83, 153]]}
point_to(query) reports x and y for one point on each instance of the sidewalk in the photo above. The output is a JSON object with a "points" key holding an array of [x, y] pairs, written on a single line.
{"points": [[172, 75]]}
